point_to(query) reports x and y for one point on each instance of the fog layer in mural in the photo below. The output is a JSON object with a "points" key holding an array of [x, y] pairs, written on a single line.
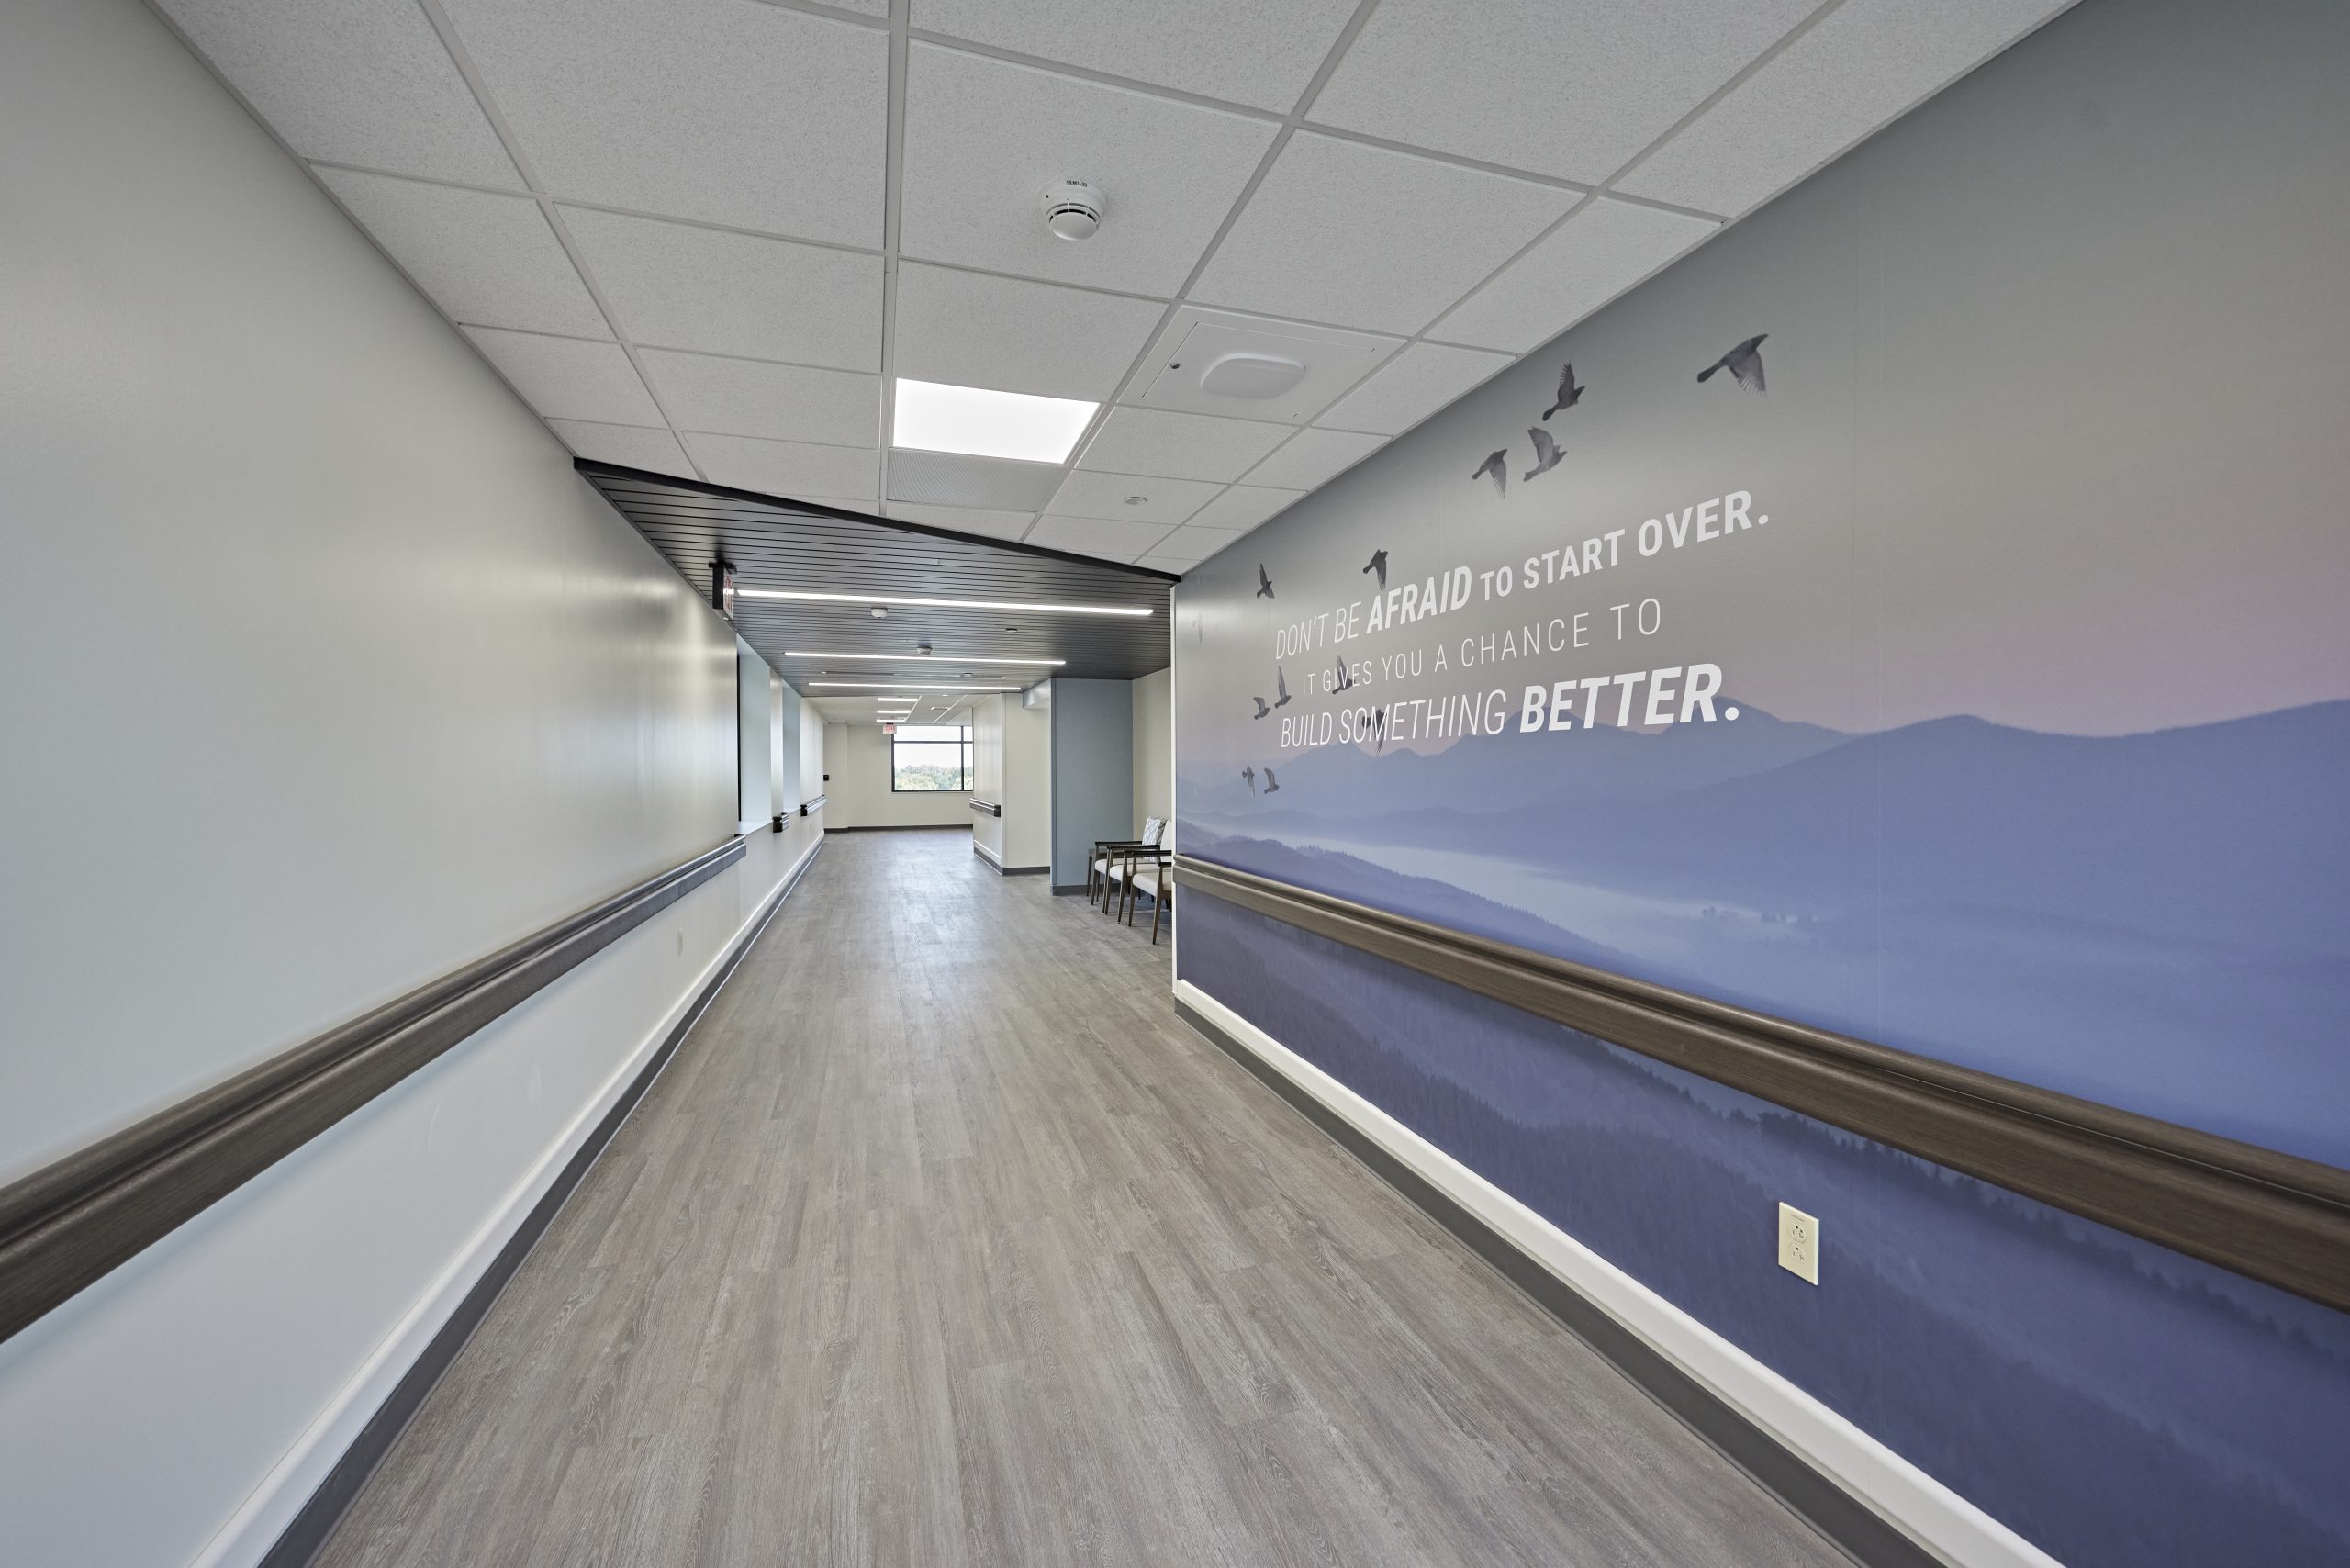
{"points": [[1918, 613]]}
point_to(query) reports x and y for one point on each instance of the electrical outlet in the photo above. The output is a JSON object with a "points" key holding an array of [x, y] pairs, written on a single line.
{"points": [[1799, 1244]]}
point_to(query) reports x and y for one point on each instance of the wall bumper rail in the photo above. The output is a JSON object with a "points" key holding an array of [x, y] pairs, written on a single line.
{"points": [[64, 1225], [987, 808], [2276, 1217]]}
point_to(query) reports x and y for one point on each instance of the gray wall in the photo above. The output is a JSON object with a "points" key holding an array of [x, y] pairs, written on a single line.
{"points": [[325, 675], [1093, 770]]}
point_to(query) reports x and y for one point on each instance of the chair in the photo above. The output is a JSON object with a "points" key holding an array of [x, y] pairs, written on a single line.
{"points": [[1159, 857], [1158, 905], [1104, 864]]}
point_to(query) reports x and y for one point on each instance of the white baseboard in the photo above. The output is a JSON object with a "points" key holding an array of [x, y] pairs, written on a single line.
{"points": [[1937, 1519], [272, 1505], [984, 853]]}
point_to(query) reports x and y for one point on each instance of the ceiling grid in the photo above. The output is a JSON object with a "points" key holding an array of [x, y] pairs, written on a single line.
{"points": [[773, 207]]}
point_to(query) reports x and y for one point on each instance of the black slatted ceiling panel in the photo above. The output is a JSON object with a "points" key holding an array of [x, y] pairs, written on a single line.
{"points": [[779, 544]]}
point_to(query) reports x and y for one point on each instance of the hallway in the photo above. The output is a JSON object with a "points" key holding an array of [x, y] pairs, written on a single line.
{"points": [[943, 1240]]}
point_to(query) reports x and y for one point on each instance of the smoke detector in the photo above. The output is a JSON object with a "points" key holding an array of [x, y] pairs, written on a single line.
{"points": [[1072, 209]]}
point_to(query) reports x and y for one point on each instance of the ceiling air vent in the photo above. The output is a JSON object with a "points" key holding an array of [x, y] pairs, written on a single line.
{"points": [[1254, 376], [1219, 361]]}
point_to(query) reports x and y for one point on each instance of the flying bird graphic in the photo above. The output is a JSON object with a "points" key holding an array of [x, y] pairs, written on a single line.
{"points": [[1281, 689], [1264, 583], [1546, 452], [1261, 709], [1744, 363], [1343, 679], [1272, 785], [1569, 393], [1497, 465], [1379, 565], [1250, 775], [1378, 727]]}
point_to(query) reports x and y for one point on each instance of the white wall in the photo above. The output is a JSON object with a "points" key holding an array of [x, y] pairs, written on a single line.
{"points": [[811, 753], [987, 774], [857, 757], [783, 749], [1028, 785], [421, 692], [754, 737], [1154, 746]]}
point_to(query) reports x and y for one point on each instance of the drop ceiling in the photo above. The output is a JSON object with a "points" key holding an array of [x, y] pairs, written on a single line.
{"points": [[809, 549], [704, 237]]}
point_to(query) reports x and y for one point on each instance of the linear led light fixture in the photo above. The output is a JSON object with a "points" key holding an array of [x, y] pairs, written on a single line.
{"points": [[944, 603], [919, 658], [904, 686]]}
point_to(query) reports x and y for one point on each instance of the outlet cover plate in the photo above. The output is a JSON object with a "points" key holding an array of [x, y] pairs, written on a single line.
{"points": [[1799, 1244]]}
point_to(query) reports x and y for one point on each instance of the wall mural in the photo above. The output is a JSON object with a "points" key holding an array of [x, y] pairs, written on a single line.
{"points": [[1917, 614]]}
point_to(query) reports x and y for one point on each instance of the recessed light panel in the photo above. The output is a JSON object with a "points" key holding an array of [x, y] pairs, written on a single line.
{"points": [[980, 422]]}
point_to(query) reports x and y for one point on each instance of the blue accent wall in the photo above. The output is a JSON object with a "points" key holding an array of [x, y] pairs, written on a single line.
{"points": [[1093, 770]]}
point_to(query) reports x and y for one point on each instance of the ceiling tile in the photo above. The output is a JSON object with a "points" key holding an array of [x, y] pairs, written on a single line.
{"points": [[963, 519], [1313, 457], [971, 329], [790, 468], [1192, 545], [1179, 446], [984, 139], [1243, 506], [1410, 387], [1867, 63], [627, 445], [1571, 88], [749, 397], [488, 261], [351, 82], [1364, 237], [687, 287], [954, 479], [1243, 51], [1112, 540], [565, 378], [1164, 501], [725, 110], [1587, 260]]}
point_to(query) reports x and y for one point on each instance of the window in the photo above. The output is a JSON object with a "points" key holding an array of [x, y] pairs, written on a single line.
{"points": [[930, 757]]}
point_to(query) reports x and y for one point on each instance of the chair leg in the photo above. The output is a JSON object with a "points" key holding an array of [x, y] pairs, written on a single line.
{"points": [[1158, 908]]}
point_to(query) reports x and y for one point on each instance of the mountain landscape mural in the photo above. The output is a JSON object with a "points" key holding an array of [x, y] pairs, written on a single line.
{"points": [[1993, 688], [2082, 912]]}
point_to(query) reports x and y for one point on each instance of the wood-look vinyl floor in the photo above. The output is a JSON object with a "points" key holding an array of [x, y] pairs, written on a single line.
{"points": [[942, 1241]]}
